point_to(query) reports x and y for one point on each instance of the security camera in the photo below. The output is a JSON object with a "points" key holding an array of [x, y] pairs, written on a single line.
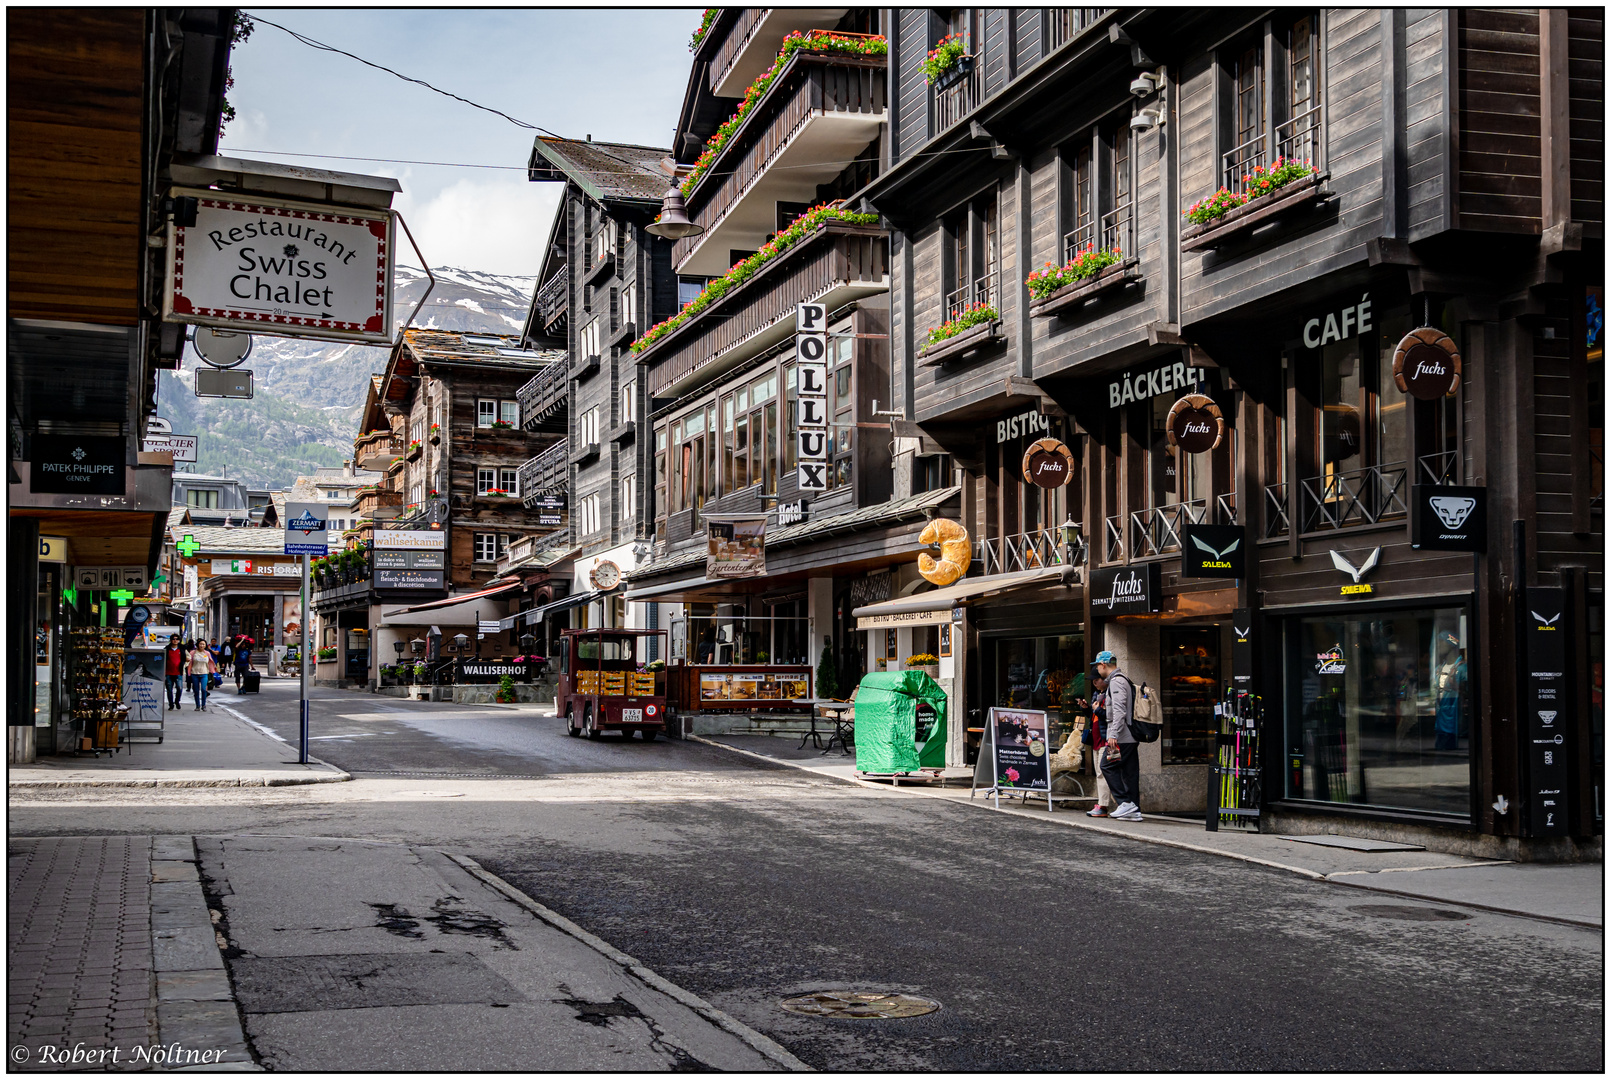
{"points": [[1146, 120], [1145, 84]]}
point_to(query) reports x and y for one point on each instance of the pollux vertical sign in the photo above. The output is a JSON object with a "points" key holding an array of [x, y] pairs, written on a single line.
{"points": [[811, 404]]}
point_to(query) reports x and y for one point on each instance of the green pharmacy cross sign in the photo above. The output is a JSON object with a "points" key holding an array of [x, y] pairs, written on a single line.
{"points": [[70, 595], [122, 595], [188, 546]]}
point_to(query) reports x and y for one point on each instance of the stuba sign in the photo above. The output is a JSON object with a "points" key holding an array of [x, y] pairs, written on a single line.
{"points": [[302, 269]]}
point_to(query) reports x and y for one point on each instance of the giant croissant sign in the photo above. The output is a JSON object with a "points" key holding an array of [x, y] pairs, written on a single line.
{"points": [[285, 268]]}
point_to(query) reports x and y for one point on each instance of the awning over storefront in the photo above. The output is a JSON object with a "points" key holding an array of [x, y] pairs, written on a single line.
{"points": [[935, 606], [537, 615], [453, 610]]}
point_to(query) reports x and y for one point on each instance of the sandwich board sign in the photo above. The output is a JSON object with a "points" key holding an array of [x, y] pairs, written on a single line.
{"points": [[1015, 755], [305, 532]]}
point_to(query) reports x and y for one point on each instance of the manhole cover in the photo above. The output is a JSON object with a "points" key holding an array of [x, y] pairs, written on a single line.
{"points": [[1409, 914], [859, 1005]]}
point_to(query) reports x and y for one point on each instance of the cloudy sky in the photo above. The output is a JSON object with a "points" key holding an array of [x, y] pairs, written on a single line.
{"points": [[617, 75]]}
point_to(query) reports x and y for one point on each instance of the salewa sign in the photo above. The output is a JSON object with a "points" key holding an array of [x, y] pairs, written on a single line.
{"points": [[1126, 590], [1214, 551], [1358, 573], [300, 269]]}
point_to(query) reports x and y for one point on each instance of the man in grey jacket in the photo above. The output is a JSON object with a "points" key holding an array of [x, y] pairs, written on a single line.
{"points": [[1124, 775]]}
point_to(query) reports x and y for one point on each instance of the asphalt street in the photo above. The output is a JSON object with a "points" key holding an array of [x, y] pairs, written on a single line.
{"points": [[1046, 947]]}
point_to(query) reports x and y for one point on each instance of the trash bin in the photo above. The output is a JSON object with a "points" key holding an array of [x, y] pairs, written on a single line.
{"points": [[900, 722], [252, 682]]}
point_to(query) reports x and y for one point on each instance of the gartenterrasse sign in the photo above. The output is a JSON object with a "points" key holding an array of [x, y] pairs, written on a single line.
{"points": [[293, 269]]}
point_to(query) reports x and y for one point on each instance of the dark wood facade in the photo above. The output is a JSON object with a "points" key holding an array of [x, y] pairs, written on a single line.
{"points": [[1459, 182]]}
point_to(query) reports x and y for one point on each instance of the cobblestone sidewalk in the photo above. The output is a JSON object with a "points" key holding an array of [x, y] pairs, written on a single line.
{"points": [[79, 959]]}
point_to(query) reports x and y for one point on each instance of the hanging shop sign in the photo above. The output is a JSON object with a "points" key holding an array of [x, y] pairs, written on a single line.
{"points": [[1426, 364], [1048, 463], [409, 558], [735, 548], [410, 540], [1448, 518], [1126, 590], [812, 441], [1357, 573], [1338, 325], [550, 509], [1214, 551], [1195, 424], [77, 465], [1548, 716], [182, 447], [870, 589], [1146, 385], [794, 513], [234, 383], [305, 532], [1242, 649], [296, 269], [107, 578], [956, 552]]}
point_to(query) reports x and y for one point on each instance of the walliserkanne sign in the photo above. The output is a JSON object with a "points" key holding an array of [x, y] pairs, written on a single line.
{"points": [[287, 268]]}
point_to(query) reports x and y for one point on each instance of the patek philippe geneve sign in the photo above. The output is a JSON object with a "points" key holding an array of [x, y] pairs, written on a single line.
{"points": [[289, 268], [77, 465]]}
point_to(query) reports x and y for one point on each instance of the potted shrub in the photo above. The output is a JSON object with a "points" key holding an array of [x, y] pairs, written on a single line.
{"points": [[762, 657], [506, 690], [925, 662], [327, 653]]}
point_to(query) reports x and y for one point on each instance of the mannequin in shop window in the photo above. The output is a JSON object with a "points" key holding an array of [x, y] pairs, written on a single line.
{"points": [[1451, 696]]}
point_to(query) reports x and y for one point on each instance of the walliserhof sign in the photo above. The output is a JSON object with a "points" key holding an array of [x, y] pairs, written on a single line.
{"points": [[811, 405], [288, 268]]}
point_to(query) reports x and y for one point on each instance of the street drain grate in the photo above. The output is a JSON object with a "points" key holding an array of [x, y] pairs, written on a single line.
{"points": [[859, 1005], [1406, 913]]}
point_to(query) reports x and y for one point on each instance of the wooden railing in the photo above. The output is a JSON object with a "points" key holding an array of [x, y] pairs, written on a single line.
{"points": [[378, 447], [544, 396], [733, 44], [837, 253], [810, 85], [547, 472], [553, 299], [1064, 24]]}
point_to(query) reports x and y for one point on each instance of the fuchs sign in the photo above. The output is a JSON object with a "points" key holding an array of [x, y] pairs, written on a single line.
{"points": [[1426, 364], [1447, 518], [295, 269], [1048, 463], [1126, 590]]}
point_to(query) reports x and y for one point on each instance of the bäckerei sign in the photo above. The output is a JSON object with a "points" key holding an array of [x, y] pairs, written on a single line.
{"points": [[288, 268]]}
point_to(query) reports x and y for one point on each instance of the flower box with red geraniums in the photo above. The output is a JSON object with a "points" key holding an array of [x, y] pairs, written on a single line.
{"points": [[414, 447], [704, 28], [815, 41], [972, 316], [1258, 182], [1279, 195], [1085, 264], [502, 425], [946, 55], [803, 226]]}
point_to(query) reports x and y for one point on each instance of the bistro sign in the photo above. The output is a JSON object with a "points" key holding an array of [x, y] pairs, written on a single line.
{"points": [[298, 269]]}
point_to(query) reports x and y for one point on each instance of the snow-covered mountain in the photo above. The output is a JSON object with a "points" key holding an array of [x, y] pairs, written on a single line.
{"points": [[309, 393]]}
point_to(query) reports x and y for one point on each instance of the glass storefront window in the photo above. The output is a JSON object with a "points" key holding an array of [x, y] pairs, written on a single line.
{"points": [[1191, 687], [1040, 673], [1379, 710]]}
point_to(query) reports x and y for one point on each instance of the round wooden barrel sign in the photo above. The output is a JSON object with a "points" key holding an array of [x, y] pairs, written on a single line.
{"points": [[1426, 364], [1048, 463], [1195, 424]]}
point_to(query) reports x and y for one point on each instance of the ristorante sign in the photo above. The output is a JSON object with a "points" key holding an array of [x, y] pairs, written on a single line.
{"points": [[293, 269]]}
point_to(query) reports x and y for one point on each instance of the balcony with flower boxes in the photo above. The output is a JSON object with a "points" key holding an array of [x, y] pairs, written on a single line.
{"points": [[822, 108], [833, 262], [376, 449], [750, 44]]}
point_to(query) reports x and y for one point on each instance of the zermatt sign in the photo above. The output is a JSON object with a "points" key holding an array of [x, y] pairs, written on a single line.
{"points": [[284, 268]]}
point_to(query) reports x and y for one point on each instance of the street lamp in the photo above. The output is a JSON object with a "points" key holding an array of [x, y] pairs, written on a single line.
{"points": [[526, 641], [1074, 548], [673, 223], [418, 645], [460, 641], [398, 645]]}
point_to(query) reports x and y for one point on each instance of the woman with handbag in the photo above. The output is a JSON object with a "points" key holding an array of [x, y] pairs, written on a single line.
{"points": [[1095, 736], [202, 668]]}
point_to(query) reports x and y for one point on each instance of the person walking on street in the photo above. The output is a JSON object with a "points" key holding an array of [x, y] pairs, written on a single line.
{"points": [[202, 669], [173, 671], [1121, 765], [1098, 734], [243, 661]]}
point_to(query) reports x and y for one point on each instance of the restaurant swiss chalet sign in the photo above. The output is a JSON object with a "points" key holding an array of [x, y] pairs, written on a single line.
{"points": [[281, 267]]}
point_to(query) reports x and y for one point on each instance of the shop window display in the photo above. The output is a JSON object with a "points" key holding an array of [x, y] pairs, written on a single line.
{"points": [[1191, 688], [1379, 710], [1041, 673]]}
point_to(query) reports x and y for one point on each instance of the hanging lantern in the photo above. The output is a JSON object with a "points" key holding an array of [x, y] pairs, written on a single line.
{"points": [[674, 223]]}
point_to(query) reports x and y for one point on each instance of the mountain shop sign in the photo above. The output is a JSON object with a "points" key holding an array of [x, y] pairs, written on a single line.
{"points": [[290, 268]]}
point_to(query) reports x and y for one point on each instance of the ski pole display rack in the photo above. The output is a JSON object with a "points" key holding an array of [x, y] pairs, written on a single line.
{"points": [[98, 687], [1235, 785]]}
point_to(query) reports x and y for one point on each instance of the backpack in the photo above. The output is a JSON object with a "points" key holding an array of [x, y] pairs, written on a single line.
{"points": [[1143, 713]]}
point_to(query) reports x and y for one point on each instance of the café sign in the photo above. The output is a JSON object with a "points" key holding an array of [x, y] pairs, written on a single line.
{"points": [[291, 268]]}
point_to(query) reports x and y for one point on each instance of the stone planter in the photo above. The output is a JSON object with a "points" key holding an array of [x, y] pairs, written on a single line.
{"points": [[1072, 297], [931, 670], [1309, 191], [977, 337]]}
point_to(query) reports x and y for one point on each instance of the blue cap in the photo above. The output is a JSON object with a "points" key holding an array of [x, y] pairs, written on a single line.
{"points": [[1105, 657]]}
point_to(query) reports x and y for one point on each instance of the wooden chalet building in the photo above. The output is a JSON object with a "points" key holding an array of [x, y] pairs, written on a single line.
{"points": [[1448, 178], [442, 425]]}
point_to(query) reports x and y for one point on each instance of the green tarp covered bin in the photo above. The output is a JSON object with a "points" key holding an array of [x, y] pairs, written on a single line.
{"points": [[887, 722]]}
